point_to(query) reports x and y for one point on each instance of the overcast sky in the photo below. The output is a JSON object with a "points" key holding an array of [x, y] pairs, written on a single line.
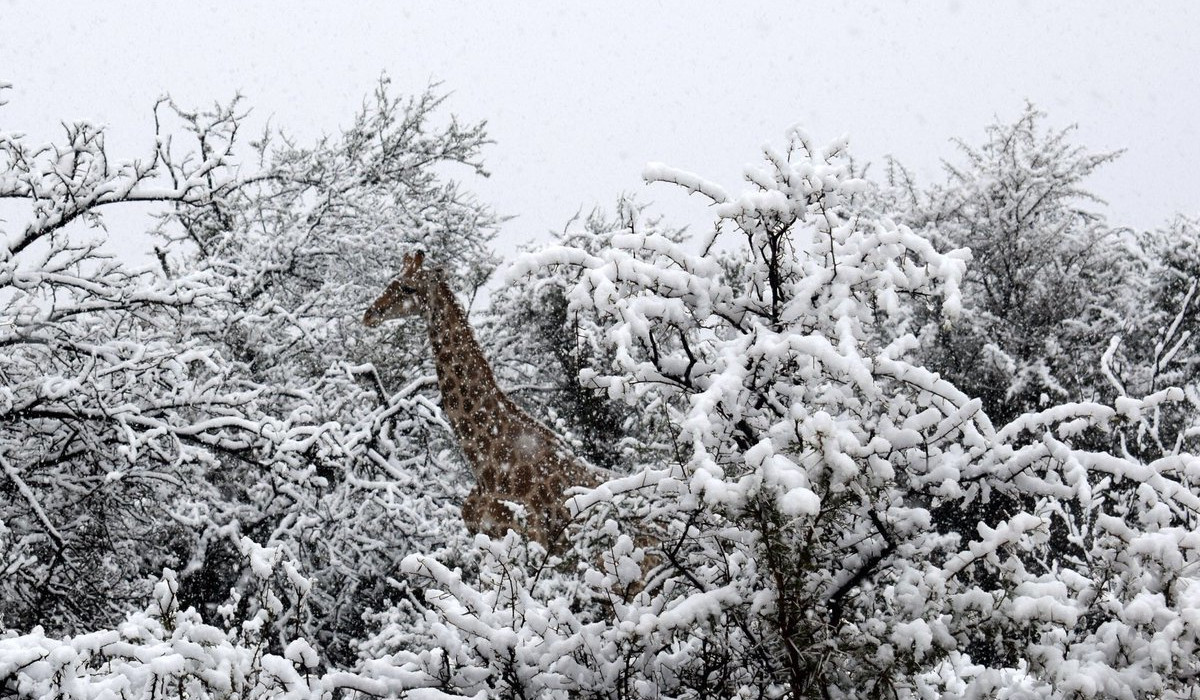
{"points": [[579, 97]]}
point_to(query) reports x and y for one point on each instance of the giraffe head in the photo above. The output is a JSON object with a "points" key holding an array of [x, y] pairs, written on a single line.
{"points": [[405, 296]]}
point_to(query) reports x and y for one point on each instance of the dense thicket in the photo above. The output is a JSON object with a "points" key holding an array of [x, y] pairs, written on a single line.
{"points": [[167, 415], [928, 441]]}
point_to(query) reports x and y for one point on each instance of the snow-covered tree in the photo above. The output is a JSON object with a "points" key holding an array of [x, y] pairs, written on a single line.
{"points": [[542, 346], [800, 545], [805, 508], [1159, 342], [324, 228], [112, 419], [171, 651], [303, 248], [157, 417], [1046, 289]]}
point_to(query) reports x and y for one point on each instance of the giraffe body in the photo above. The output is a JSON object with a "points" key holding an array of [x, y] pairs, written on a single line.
{"points": [[514, 457]]}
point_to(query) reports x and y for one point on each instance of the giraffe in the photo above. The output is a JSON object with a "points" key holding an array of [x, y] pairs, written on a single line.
{"points": [[514, 457]]}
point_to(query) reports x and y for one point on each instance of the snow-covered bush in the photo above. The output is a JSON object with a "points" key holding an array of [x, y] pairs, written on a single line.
{"points": [[1160, 342], [539, 346], [302, 248], [1050, 281], [168, 651], [154, 416], [112, 420], [840, 521], [800, 507]]}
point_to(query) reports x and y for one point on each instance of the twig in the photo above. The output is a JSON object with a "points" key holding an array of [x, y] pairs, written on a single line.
{"points": [[836, 600], [31, 498]]}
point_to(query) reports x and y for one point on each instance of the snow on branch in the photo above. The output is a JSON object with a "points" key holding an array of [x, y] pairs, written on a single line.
{"points": [[825, 492], [660, 172]]}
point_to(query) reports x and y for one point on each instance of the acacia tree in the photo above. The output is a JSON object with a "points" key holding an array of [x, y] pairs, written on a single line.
{"points": [[162, 417], [325, 226], [1159, 346], [1049, 281], [542, 347], [116, 426], [796, 539], [303, 248], [796, 547]]}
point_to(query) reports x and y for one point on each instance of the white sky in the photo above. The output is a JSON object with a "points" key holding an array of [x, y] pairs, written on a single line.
{"points": [[579, 97]]}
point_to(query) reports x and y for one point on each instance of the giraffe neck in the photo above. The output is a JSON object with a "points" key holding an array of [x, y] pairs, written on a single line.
{"points": [[470, 395], [514, 457]]}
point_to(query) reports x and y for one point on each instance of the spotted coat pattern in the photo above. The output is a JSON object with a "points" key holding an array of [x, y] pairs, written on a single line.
{"points": [[514, 457]]}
